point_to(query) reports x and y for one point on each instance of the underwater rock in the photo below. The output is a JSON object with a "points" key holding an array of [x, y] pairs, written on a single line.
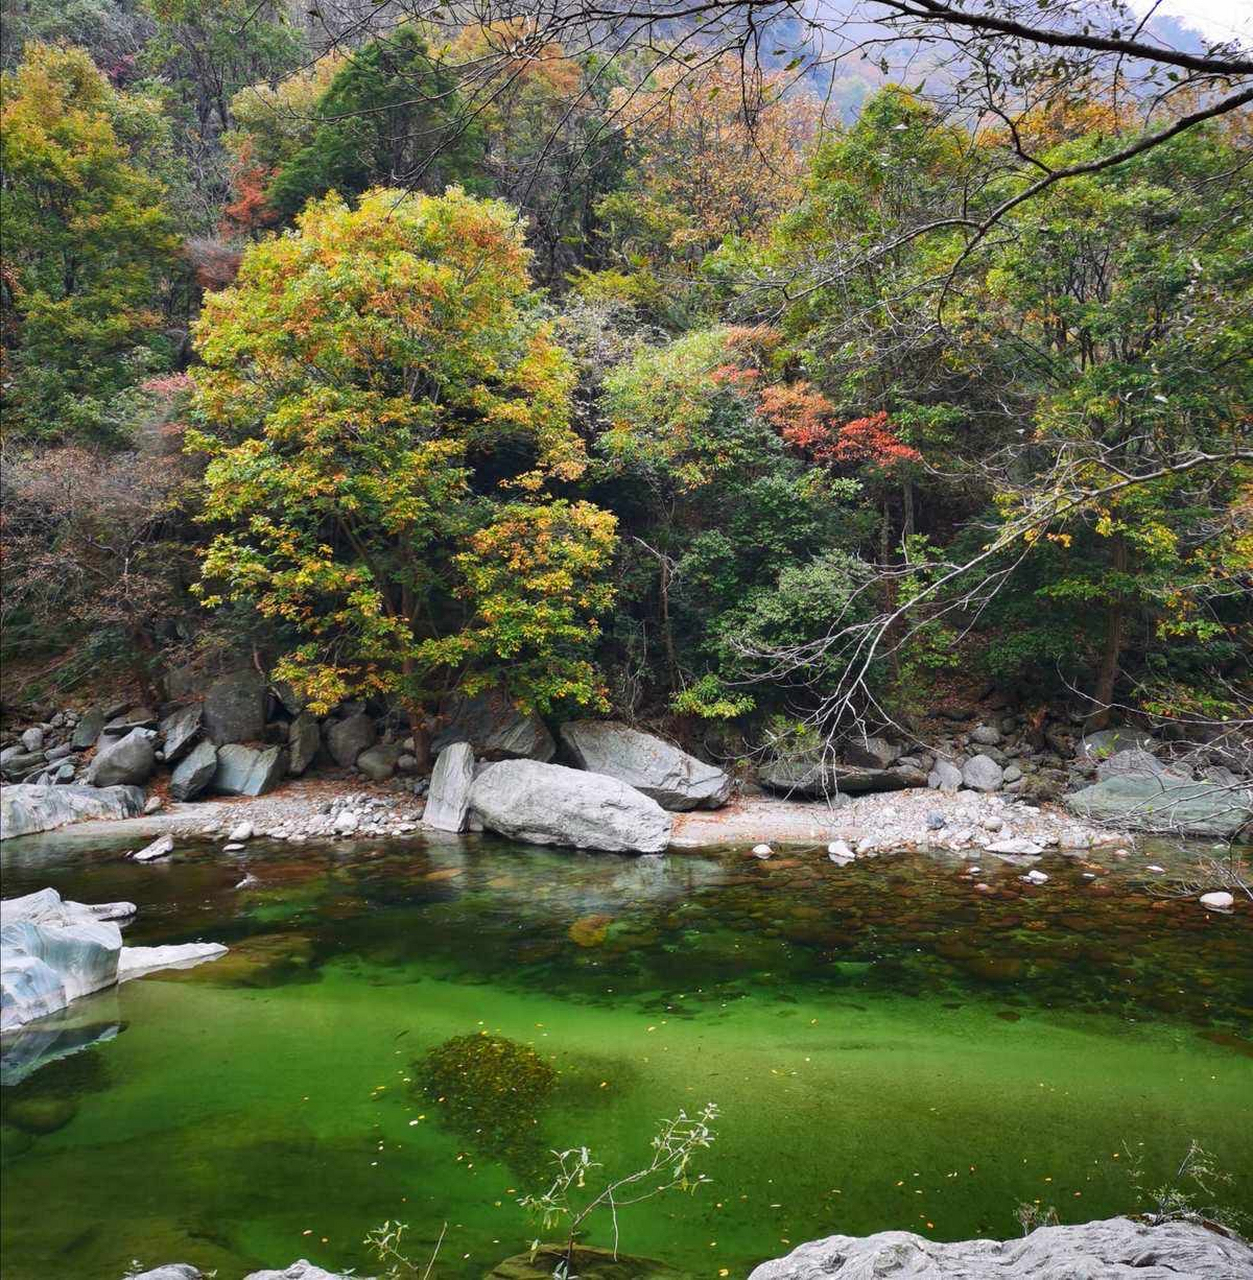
{"points": [[40, 1116], [1109, 1248], [550, 804], [675, 779], [300, 1270], [161, 847]]}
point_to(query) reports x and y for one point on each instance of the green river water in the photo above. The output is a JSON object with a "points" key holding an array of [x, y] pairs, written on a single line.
{"points": [[887, 1047]]}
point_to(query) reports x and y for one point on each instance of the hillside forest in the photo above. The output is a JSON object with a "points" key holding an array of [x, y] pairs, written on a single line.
{"points": [[404, 355]]}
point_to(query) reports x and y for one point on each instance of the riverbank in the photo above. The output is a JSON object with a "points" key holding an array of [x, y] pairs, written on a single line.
{"points": [[327, 809]]}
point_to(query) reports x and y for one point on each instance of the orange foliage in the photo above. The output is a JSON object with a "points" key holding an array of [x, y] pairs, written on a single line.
{"points": [[805, 419]]}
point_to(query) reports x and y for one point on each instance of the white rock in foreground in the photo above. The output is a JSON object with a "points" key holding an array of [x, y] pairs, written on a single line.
{"points": [[53, 951], [550, 804], [1113, 1249]]}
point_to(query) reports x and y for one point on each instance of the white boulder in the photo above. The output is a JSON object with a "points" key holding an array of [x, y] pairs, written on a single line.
{"points": [[448, 801], [550, 804]]}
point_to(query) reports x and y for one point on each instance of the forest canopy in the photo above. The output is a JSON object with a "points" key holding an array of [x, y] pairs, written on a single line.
{"points": [[632, 374]]}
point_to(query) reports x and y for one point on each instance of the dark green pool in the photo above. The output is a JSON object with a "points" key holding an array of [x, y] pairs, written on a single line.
{"points": [[888, 1048]]}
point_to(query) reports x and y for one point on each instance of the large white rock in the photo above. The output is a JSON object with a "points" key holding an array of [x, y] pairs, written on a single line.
{"points": [[26, 808], [675, 779], [550, 804], [448, 801], [53, 951], [1113, 1249]]}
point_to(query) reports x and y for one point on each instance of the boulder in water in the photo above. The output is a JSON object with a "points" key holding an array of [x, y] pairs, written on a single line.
{"points": [[550, 804], [675, 779]]}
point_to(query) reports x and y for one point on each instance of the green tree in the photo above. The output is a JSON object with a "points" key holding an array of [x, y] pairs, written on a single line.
{"points": [[385, 411], [89, 244], [392, 115]]}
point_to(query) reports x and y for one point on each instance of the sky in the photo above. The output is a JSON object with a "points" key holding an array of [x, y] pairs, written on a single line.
{"points": [[1217, 19]]}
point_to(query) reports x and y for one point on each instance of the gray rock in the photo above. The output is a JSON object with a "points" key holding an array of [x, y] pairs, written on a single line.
{"points": [[676, 780], [1012, 774], [1107, 1250], [1107, 742], [303, 740], [379, 763], [87, 730], [936, 821], [871, 753], [494, 727], [293, 702], [1130, 762], [550, 804], [161, 847], [19, 762], [448, 803], [249, 771], [827, 781], [347, 739], [33, 739], [58, 753], [25, 809], [946, 776], [1164, 803], [171, 1271], [234, 707], [127, 762], [982, 773], [986, 736], [300, 1270], [134, 962], [194, 772], [180, 730]]}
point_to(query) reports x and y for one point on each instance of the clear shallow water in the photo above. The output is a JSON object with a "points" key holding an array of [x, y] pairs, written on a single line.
{"points": [[888, 1049]]}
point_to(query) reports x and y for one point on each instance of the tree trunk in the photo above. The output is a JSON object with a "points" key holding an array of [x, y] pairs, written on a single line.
{"points": [[419, 731], [907, 495], [1111, 651]]}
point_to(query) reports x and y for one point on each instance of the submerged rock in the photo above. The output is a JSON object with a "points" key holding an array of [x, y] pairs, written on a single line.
{"points": [[550, 804], [448, 802], [675, 779], [1107, 1249], [26, 808]]}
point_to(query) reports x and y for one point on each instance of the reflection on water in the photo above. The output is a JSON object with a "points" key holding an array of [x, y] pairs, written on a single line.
{"points": [[405, 1030]]}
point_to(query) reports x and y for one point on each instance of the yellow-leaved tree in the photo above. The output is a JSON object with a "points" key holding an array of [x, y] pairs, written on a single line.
{"points": [[385, 411]]}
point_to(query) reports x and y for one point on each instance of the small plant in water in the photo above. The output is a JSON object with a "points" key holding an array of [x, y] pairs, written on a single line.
{"points": [[1189, 1193], [580, 1188], [387, 1241], [1032, 1215]]}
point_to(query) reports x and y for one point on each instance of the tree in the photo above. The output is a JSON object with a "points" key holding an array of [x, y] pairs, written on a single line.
{"points": [[89, 243], [385, 411], [391, 116]]}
